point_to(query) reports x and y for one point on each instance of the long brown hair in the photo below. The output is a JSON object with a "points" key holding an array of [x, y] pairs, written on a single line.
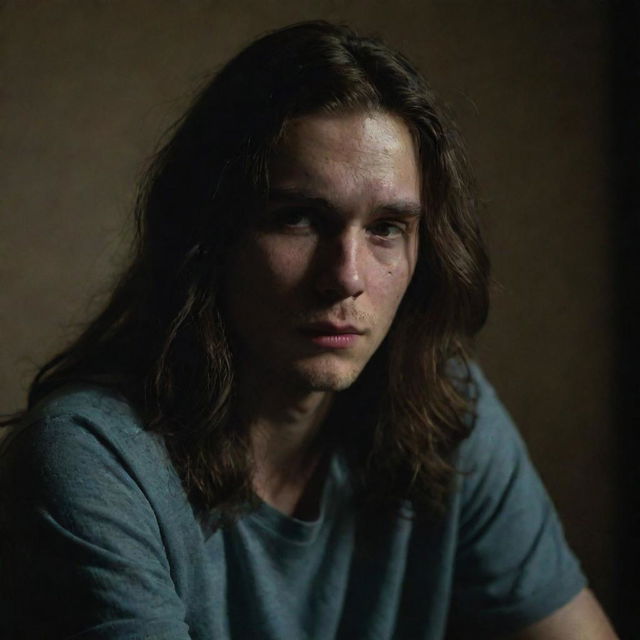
{"points": [[161, 338]]}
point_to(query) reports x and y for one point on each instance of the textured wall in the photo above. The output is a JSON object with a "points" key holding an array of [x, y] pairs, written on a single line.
{"points": [[89, 86]]}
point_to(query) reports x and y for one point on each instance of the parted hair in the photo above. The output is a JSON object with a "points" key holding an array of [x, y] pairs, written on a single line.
{"points": [[161, 338]]}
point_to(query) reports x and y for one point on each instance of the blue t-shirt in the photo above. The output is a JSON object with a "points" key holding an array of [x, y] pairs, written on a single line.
{"points": [[98, 540]]}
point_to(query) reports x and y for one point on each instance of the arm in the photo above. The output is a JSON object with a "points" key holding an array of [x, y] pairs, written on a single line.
{"points": [[581, 618]]}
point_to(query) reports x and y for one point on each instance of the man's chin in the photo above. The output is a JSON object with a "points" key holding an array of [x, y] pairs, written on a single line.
{"points": [[327, 379]]}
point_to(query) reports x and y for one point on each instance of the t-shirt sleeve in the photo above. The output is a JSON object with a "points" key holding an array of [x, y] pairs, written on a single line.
{"points": [[81, 550], [513, 565]]}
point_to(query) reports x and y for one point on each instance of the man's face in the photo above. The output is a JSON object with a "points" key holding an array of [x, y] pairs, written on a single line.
{"points": [[313, 286]]}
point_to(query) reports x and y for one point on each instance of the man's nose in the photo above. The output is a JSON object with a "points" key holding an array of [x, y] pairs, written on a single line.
{"points": [[339, 269]]}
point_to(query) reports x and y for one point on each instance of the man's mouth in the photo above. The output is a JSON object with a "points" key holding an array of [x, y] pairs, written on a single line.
{"points": [[331, 335], [331, 328]]}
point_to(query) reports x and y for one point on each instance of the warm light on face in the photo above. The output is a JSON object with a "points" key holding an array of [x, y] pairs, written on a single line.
{"points": [[314, 286]]}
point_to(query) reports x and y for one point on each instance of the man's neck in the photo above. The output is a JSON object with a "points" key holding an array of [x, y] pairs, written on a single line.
{"points": [[288, 440]]}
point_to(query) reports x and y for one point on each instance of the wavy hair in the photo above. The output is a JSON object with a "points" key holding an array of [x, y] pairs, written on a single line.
{"points": [[161, 339]]}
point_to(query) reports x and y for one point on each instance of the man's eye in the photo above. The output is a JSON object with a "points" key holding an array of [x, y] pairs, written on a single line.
{"points": [[294, 219], [388, 230]]}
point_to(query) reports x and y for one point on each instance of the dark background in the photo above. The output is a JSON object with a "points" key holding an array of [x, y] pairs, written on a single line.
{"points": [[546, 94]]}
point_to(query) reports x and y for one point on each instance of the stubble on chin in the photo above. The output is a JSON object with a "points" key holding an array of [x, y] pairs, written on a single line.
{"points": [[326, 379]]}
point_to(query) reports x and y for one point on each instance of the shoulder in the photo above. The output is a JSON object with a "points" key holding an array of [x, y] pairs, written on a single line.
{"points": [[83, 432], [513, 565], [493, 461], [84, 414], [494, 439], [92, 511], [97, 408]]}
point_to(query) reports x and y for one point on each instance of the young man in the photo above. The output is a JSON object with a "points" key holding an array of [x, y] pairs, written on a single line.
{"points": [[273, 430]]}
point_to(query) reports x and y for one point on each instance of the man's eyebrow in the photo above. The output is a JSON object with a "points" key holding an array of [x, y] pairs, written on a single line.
{"points": [[404, 208], [299, 196]]}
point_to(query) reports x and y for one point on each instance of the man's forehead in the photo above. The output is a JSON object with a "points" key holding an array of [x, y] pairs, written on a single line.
{"points": [[363, 134], [341, 156]]}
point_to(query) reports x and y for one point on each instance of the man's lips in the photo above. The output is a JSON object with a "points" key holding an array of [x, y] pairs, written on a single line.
{"points": [[329, 335], [330, 328]]}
